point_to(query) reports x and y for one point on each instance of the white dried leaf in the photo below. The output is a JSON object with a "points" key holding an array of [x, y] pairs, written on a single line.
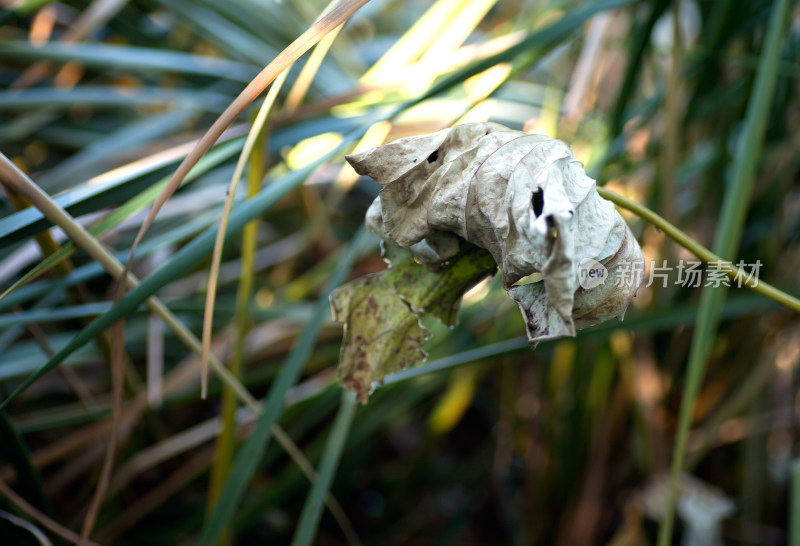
{"points": [[522, 197]]}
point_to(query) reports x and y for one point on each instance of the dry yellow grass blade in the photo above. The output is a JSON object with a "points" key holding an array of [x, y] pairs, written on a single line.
{"points": [[303, 82], [293, 100], [216, 257]]}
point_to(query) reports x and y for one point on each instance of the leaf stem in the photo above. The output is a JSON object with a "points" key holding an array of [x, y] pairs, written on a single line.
{"points": [[763, 288]]}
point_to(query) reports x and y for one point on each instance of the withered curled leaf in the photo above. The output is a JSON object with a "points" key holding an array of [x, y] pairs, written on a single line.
{"points": [[524, 199]]}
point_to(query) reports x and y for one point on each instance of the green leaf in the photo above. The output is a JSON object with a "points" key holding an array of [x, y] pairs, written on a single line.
{"points": [[128, 58], [383, 332], [14, 450], [312, 509]]}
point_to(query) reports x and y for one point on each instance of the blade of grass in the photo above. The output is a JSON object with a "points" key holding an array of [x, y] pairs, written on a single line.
{"points": [[108, 189], [225, 444], [216, 256], [113, 97], [312, 509], [794, 505], [118, 361], [303, 82], [636, 51], [128, 58], [92, 270], [727, 238], [249, 456], [121, 213], [415, 40], [535, 44], [257, 128], [15, 450]]}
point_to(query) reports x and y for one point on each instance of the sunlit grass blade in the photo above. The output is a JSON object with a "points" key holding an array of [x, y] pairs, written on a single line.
{"points": [[535, 44], [216, 256], [415, 40], [128, 58], [109, 189]]}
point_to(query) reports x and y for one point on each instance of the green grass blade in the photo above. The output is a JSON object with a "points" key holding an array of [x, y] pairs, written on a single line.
{"points": [[233, 39], [92, 270], [794, 505], [128, 58], [312, 509], [249, 456], [113, 97], [726, 242], [14, 450], [637, 48], [43, 316]]}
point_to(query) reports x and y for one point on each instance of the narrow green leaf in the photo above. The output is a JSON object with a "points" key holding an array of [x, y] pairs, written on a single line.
{"points": [[251, 453], [312, 509], [113, 97], [726, 243], [127, 58], [794, 504], [536, 44], [106, 191], [14, 450]]}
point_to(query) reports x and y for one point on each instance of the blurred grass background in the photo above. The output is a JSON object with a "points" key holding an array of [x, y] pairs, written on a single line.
{"points": [[490, 443]]}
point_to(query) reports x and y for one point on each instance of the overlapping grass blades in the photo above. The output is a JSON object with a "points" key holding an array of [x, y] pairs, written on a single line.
{"points": [[727, 238]]}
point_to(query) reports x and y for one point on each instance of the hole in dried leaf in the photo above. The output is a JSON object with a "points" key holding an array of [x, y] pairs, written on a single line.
{"points": [[538, 202], [434, 156]]}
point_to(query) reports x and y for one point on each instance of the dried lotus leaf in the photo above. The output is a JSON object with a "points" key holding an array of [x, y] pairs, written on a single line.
{"points": [[524, 199]]}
